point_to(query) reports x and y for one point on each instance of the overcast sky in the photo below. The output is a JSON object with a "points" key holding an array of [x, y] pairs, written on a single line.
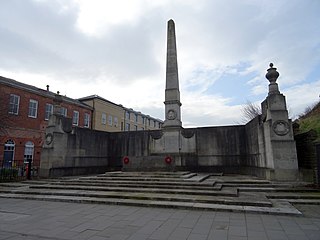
{"points": [[117, 50]]}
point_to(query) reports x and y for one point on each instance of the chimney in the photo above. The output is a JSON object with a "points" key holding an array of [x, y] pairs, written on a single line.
{"points": [[48, 88]]}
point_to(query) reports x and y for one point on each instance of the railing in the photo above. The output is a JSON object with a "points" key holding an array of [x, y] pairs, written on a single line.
{"points": [[17, 171]]}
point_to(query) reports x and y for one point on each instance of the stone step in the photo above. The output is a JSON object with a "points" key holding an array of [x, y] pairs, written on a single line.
{"points": [[287, 209], [242, 181], [149, 174], [217, 186], [303, 201], [120, 173], [141, 195], [141, 185], [146, 196], [257, 185], [198, 177], [134, 182], [27, 182], [11, 184], [294, 196], [230, 192], [271, 189], [189, 175], [181, 189], [135, 178]]}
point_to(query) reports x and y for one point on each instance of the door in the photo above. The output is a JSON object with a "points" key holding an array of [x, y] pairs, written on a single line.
{"points": [[8, 155]]}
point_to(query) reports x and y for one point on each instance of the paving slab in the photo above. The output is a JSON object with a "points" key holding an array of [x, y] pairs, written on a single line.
{"points": [[44, 220]]}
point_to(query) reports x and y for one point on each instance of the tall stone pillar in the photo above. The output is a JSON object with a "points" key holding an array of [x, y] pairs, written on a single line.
{"points": [[280, 148], [172, 93]]}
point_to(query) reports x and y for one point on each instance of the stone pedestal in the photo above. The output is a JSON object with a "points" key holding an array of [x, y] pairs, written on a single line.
{"points": [[56, 141], [280, 149], [167, 150]]}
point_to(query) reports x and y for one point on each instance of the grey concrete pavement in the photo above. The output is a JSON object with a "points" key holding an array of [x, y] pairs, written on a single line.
{"points": [[39, 220]]}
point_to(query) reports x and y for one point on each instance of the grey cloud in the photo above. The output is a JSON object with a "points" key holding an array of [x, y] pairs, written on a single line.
{"points": [[214, 36], [41, 37]]}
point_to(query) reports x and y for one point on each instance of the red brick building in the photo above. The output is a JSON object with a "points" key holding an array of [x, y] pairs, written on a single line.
{"points": [[24, 115]]}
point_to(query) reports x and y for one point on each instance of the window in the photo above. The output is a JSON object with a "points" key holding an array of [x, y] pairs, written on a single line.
{"points": [[127, 127], [64, 111], [49, 111], [127, 115], [14, 104], [103, 118], [149, 122], [86, 120], [154, 123], [33, 108], [115, 121], [135, 127], [75, 119], [143, 120], [110, 120], [28, 152], [136, 117]]}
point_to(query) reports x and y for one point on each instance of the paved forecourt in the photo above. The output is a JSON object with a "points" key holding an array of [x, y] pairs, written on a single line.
{"points": [[39, 220], [183, 190]]}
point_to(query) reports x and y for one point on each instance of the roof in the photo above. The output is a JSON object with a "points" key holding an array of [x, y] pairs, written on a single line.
{"points": [[15, 84], [91, 97]]}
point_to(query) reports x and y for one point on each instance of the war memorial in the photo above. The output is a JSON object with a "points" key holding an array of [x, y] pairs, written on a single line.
{"points": [[229, 182], [263, 147], [251, 168]]}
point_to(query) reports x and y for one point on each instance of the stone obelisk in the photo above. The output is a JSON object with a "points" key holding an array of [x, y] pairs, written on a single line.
{"points": [[172, 93]]}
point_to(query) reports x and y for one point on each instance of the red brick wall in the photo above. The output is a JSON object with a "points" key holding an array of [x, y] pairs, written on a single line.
{"points": [[20, 142], [23, 128]]}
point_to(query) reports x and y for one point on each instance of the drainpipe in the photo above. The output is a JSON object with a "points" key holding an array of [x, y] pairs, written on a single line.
{"points": [[124, 120], [93, 115]]}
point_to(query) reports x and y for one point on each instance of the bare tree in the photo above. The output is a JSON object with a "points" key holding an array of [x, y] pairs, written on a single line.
{"points": [[249, 111]]}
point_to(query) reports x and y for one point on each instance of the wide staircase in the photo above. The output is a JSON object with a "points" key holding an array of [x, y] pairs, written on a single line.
{"points": [[183, 190]]}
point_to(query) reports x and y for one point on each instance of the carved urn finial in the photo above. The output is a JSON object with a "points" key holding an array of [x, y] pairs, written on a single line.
{"points": [[57, 103], [272, 75]]}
